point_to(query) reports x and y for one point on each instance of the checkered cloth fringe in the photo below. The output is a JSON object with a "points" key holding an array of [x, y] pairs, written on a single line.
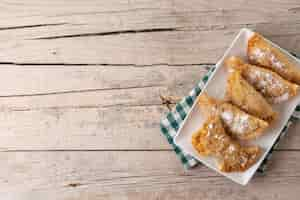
{"points": [[171, 122]]}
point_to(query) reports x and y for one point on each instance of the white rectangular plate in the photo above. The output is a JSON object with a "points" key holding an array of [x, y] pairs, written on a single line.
{"points": [[215, 87]]}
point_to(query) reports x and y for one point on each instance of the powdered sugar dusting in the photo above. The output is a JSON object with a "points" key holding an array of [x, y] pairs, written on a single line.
{"points": [[231, 70], [281, 98], [208, 133], [219, 137], [253, 76], [264, 81], [237, 123], [227, 116], [275, 62], [259, 54], [231, 148], [210, 127], [240, 123]]}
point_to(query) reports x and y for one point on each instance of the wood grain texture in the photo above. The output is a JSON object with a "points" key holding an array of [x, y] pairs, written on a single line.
{"points": [[46, 79], [45, 18], [88, 107], [135, 175], [112, 128], [91, 107], [79, 99], [170, 32], [169, 47]]}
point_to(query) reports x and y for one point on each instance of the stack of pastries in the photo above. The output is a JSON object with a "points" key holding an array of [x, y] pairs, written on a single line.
{"points": [[246, 110]]}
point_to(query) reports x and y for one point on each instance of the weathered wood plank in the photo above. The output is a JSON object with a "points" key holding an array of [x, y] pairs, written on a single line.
{"points": [[30, 80], [92, 127], [83, 128], [117, 107], [144, 96], [193, 32], [84, 107], [175, 47], [152, 21], [46, 19], [158, 47], [133, 175], [38, 97]]}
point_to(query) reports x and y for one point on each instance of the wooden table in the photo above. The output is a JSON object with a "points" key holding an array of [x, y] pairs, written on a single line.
{"points": [[80, 104]]}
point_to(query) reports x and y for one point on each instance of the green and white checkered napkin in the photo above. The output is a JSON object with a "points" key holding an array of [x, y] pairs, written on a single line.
{"points": [[171, 122]]}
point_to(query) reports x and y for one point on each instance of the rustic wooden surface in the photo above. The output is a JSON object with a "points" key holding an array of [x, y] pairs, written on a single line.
{"points": [[79, 99]]}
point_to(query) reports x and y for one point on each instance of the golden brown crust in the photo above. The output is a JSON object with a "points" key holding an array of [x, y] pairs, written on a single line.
{"points": [[237, 122], [212, 140], [272, 86], [262, 53], [240, 93], [242, 126]]}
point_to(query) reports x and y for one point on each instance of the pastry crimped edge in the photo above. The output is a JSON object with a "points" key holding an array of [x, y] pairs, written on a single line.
{"points": [[201, 134], [266, 112], [205, 101], [235, 63], [293, 72]]}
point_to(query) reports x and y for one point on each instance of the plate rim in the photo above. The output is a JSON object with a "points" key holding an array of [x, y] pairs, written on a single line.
{"points": [[217, 66]]}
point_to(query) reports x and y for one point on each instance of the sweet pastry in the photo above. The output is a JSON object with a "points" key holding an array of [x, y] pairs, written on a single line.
{"points": [[262, 53], [273, 87], [212, 140], [239, 92], [237, 122]]}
